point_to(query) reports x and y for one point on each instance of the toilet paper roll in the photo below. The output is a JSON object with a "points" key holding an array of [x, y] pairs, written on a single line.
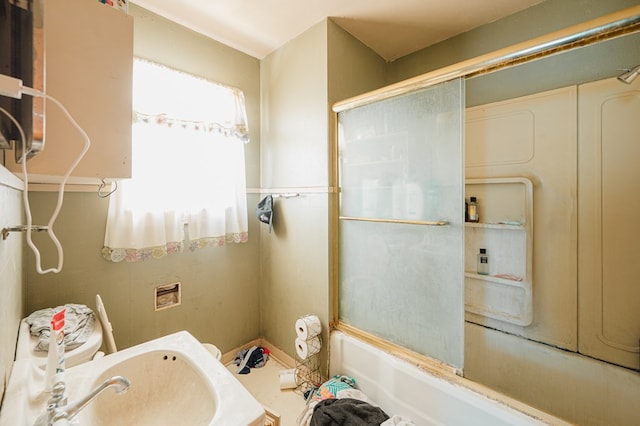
{"points": [[308, 326], [288, 379], [308, 348]]}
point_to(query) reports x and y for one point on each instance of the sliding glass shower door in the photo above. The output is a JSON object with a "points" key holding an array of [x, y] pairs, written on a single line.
{"points": [[401, 220]]}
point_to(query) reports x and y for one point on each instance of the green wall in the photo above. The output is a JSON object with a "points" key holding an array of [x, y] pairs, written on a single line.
{"points": [[299, 84], [294, 274]]}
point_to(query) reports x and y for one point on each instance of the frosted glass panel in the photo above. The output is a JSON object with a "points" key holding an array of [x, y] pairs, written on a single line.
{"points": [[401, 167], [394, 155]]}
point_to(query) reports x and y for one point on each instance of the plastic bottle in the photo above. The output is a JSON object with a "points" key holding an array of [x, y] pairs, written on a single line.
{"points": [[483, 262], [473, 210], [55, 356]]}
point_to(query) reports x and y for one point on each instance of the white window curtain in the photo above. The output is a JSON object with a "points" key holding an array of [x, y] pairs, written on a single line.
{"points": [[188, 182]]}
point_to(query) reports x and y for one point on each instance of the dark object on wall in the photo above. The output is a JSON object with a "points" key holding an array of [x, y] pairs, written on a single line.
{"points": [[264, 211]]}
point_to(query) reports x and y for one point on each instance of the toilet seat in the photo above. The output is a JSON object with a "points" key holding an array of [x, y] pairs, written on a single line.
{"points": [[107, 329]]}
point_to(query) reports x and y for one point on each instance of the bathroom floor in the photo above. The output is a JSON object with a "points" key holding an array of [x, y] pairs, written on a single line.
{"points": [[264, 385]]}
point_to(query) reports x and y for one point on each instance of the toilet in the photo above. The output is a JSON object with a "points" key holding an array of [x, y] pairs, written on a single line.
{"points": [[26, 345], [102, 331], [213, 350]]}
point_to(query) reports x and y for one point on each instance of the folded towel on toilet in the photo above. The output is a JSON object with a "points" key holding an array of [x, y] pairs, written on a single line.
{"points": [[78, 325]]}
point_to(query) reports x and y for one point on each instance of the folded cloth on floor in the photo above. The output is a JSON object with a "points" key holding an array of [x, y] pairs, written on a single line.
{"points": [[347, 411], [253, 357], [78, 325]]}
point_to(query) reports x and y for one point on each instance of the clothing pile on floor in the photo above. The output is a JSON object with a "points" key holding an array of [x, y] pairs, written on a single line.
{"points": [[254, 357], [79, 321], [338, 402]]}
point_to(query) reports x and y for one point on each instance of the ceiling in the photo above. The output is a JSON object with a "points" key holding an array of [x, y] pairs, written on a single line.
{"points": [[391, 28]]}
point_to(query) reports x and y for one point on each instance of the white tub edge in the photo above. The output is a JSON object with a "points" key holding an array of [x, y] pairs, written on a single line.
{"points": [[401, 388]]}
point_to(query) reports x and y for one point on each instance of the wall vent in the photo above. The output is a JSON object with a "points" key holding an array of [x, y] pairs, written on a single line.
{"points": [[167, 296]]}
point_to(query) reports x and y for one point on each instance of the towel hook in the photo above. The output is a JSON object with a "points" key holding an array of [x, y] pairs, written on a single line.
{"points": [[286, 195], [101, 187]]}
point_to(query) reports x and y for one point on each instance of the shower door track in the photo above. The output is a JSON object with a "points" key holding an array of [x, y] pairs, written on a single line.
{"points": [[621, 23]]}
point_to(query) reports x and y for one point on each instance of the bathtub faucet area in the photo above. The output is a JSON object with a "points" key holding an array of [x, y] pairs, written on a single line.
{"points": [[58, 411]]}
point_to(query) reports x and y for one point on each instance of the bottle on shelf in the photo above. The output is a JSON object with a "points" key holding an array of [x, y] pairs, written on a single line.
{"points": [[473, 209], [483, 262]]}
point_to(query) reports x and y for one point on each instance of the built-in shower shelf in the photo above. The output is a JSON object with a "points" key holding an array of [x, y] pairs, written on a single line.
{"points": [[505, 230], [498, 298], [497, 280]]}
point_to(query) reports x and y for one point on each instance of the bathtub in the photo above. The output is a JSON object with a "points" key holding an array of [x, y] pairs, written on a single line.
{"points": [[403, 389]]}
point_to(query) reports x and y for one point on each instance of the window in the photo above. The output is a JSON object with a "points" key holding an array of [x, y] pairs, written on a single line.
{"points": [[188, 179]]}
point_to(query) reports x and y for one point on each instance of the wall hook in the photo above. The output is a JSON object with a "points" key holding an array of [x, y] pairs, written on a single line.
{"points": [[101, 187]]}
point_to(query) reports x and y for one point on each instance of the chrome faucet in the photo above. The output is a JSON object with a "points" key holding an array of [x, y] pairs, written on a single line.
{"points": [[57, 410]]}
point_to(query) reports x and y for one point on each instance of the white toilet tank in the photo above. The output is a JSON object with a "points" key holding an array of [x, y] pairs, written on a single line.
{"points": [[83, 353]]}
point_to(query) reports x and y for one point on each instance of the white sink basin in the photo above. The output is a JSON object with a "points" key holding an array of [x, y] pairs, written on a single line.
{"points": [[165, 382], [174, 380]]}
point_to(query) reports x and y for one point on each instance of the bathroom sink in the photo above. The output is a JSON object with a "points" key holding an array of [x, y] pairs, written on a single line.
{"points": [[174, 380], [166, 383]]}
